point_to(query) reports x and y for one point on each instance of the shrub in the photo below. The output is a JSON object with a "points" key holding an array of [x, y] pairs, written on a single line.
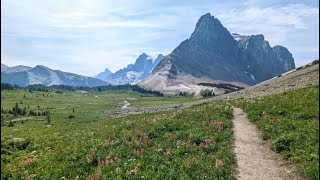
{"points": [[10, 124], [71, 116], [183, 93], [283, 143], [206, 93], [315, 62]]}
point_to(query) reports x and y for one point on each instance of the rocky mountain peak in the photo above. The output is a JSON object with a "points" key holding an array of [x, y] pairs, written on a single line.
{"points": [[213, 53], [258, 39], [4, 67], [211, 35], [210, 27], [284, 57], [133, 73], [143, 55], [107, 71]]}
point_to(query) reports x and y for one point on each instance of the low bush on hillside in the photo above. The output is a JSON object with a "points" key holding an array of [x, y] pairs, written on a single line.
{"points": [[291, 121], [228, 87], [315, 62], [206, 93]]}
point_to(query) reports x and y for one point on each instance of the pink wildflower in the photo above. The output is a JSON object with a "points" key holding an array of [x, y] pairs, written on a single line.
{"points": [[136, 170], [218, 163]]}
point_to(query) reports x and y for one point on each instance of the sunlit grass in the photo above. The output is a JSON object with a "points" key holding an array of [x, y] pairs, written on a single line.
{"points": [[291, 121]]}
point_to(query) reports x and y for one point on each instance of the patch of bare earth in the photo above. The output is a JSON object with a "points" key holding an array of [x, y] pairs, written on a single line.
{"points": [[255, 159]]}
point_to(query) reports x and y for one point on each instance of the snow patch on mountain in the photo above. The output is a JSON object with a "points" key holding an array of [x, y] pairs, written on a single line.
{"points": [[133, 73], [252, 76]]}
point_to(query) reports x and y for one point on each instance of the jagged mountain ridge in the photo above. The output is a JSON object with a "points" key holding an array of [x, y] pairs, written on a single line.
{"points": [[104, 75], [24, 76], [134, 73], [213, 54]]}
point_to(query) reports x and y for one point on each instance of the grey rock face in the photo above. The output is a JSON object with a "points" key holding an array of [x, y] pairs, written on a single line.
{"points": [[260, 60], [212, 52], [284, 57], [46, 76]]}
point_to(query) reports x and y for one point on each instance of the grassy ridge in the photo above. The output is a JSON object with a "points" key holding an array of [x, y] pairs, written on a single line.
{"points": [[291, 121], [194, 143]]}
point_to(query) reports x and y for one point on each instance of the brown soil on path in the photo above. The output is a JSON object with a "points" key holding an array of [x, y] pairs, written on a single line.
{"points": [[255, 159]]}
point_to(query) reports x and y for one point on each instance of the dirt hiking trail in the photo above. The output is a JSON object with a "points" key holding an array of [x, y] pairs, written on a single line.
{"points": [[255, 159]]}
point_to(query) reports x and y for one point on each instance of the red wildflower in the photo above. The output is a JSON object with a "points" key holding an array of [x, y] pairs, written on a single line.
{"points": [[139, 132], [146, 140], [168, 151], [218, 125], [29, 161]]}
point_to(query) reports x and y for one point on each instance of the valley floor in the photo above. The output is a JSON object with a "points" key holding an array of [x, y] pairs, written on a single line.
{"points": [[193, 141]]}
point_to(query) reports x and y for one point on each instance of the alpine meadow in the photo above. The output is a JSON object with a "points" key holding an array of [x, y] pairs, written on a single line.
{"points": [[160, 90]]}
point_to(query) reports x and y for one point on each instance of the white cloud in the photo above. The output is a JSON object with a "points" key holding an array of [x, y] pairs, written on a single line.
{"points": [[85, 36], [274, 22]]}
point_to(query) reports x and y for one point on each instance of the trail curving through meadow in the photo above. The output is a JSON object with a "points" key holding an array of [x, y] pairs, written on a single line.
{"points": [[126, 105], [255, 159]]}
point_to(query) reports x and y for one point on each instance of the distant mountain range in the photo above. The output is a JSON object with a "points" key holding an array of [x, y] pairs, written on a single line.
{"points": [[133, 73], [24, 76], [212, 54]]}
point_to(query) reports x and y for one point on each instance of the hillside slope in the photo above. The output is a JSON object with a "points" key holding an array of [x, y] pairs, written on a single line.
{"points": [[307, 75], [304, 76]]}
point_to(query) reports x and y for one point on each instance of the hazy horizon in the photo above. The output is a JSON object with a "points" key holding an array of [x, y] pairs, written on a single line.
{"points": [[85, 37]]}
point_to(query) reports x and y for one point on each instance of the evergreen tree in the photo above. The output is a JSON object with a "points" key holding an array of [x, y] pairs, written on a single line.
{"points": [[24, 112], [48, 117], [15, 110]]}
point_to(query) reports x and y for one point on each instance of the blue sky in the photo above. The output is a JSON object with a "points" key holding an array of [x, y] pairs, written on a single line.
{"points": [[86, 36]]}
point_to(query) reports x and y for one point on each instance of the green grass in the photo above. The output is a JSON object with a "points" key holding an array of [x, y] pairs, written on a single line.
{"points": [[97, 103], [291, 121], [195, 143]]}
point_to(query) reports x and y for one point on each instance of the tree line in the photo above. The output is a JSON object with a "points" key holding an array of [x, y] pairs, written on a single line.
{"points": [[61, 88]]}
